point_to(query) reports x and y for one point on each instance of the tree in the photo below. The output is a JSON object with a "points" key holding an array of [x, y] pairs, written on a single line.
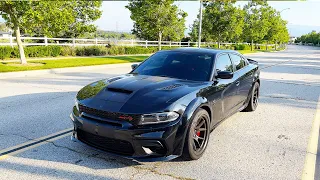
{"points": [[3, 27], [13, 12], [48, 18], [256, 21], [222, 21], [312, 37], [194, 30], [278, 31], [157, 20]]}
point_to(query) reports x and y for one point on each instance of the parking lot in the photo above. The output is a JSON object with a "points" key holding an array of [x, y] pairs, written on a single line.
{"points": [[270, 143]]}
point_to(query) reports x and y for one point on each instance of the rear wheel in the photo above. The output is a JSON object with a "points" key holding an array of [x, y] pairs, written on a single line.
{"points": [[254, 99], [197, 136]]}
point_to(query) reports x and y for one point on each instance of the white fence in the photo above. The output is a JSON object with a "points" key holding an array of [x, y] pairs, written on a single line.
{"points": [[44, 41]]}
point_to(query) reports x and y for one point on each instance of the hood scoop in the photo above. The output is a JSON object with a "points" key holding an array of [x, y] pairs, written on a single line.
{"points": [[125, 91], [171, 87]]}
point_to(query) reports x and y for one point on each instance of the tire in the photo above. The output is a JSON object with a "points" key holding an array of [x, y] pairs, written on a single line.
{"points": [[254, 99], [197, 136]]}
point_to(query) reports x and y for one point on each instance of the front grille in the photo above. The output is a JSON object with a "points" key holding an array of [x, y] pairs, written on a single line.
{"points": [[106, 144], [109, 115]]}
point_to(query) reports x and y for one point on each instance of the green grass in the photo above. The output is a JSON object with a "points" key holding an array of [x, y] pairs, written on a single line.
{"points": [[72, 62], [75, 62]]}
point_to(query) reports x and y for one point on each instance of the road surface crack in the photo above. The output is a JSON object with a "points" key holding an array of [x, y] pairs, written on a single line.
{"points": [[137, 167], [25, 137]]}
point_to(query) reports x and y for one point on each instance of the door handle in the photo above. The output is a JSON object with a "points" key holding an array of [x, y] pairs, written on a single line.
{"points": [[237, 83]]}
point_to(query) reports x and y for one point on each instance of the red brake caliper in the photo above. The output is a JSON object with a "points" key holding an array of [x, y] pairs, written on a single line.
{"points": [[198, 133]]}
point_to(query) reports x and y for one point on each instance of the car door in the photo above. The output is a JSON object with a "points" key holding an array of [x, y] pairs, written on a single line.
{"points": [[244, 75], [226, 89]]}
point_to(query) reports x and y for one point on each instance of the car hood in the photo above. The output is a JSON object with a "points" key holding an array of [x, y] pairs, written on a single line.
{"points": [[136, 93]]}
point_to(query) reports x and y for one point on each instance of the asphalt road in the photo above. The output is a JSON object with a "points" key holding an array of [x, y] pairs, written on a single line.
{"points": [[270, 143]]}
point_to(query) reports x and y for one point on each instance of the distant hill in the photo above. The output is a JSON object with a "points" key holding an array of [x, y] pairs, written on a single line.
{"points": [[298, 30]]}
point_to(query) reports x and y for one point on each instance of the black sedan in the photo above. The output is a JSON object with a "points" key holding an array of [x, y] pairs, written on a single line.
{"points": [[167, 106]]}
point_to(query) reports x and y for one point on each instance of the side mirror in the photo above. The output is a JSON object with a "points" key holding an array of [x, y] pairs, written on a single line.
{"points": [[225, 75], [133, 66]]}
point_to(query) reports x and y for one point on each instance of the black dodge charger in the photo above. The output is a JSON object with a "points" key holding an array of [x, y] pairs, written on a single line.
{"points": [[166, 106]]}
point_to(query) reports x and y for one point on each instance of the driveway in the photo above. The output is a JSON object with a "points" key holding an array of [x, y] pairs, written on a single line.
{"points": [[270, 143]]}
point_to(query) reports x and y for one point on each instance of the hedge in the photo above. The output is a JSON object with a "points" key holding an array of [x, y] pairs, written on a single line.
{"points": [[7, 52], [242, 47]]}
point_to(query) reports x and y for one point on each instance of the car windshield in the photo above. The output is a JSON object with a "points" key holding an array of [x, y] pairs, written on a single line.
{"points": [[181, 65]]}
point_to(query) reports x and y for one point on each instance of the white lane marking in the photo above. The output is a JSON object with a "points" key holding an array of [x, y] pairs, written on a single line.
{"points": [[308, 172]]}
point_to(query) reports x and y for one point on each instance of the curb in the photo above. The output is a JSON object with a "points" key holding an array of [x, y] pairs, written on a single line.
{"points": [[310, 166]]}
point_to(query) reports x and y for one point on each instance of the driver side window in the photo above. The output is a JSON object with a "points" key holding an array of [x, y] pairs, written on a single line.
{"points": [[223, 63]]}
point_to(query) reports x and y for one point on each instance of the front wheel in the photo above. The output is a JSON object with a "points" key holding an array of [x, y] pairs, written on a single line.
{"points": [[253, 103], [197, 136]]}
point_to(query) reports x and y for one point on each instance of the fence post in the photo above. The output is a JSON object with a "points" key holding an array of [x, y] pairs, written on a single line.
{"points": [[74, 42], [131, 42], [45, 41], [96, 41], [180, 43], [146, 43], [169, 43], [188, 43], [11, 44]]}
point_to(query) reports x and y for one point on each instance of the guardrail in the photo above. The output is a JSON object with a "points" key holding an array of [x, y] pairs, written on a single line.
{"points": [[45, 41]]}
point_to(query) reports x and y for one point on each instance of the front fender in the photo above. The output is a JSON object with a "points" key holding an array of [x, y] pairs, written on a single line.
{"points": [[185, 122]]}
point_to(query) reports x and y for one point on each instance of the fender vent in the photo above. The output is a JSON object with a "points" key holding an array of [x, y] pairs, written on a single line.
{"points": [[171, 87]]}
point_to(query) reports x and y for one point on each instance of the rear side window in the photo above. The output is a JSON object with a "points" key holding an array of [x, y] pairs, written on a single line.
{"points": [[223, 63], [238, 61]]}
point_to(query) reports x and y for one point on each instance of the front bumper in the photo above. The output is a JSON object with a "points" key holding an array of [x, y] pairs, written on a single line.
{"points": [[153, 143]]}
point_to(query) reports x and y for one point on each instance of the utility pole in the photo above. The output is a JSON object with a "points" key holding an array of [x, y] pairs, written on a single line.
{"points": [[200, 24]]}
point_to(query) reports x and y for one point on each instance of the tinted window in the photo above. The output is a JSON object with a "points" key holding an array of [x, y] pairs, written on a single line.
{"points": [[238, 61], [181, 65], [223, 63]]}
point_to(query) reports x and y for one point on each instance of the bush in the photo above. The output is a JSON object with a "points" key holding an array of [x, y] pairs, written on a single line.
{"points": [[164, 48], [242, 47], [42, 51], [95, 51], [68, 51], [116, 50], [137, 50], [80, 51], [91, 51], [214, 46], [54, 50], [15, 52], [5, 52]]}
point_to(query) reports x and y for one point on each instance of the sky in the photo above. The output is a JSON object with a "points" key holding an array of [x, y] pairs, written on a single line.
{"points": [[302, 17]]}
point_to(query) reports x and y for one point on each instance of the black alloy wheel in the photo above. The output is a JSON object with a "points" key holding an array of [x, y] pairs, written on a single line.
{"points": [[197, 136], [254, 99]]}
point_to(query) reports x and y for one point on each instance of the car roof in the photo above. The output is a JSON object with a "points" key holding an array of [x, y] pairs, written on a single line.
{"points": [[203, 50]]}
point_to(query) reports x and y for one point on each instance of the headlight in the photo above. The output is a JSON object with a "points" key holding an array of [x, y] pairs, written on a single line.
{"points": [[159, 117], [77, 104]]}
